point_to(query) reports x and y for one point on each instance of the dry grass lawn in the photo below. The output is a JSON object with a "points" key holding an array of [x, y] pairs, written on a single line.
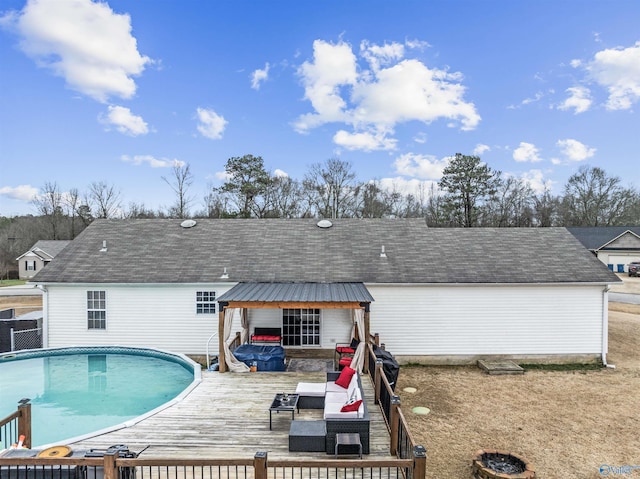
{"points": [[567, 423]]}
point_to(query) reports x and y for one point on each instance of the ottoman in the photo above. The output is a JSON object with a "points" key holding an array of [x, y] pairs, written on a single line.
{"points": [[307, 436]]}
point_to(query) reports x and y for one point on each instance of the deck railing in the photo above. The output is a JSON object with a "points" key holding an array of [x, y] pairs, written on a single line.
{"points": [[15, 425], [402, 444], [259, 467]]}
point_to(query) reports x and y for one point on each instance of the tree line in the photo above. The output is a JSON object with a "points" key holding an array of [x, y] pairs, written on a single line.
{"points": [[469, 194]]}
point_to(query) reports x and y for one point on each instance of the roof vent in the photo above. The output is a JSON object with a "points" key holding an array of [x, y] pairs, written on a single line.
{"points": [[224, 275], [188, 223], [382, 253], [324, 224], [104, 246]]}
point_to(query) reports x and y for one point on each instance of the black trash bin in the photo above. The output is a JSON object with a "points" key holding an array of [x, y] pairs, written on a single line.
{"points": [[390, 366]]}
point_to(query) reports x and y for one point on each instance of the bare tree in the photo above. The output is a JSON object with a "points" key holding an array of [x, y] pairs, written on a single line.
{"points": [[286, 198], [180, 183], [50, 205], [511, 205], [105, 199], [594, 199], [330, 187]]}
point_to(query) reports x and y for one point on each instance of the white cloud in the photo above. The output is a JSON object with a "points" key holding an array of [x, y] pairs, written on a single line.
{"points": [[618, 70], [420, 166], [333, 66], [579, 99], [152, 161], [259, 76], [222, 175], [393, 91], [574, 150], [211, 124], [20, 192], [535, 180], [526, 152], [420, 189], [280, 173], [125, 122], [379, 55], [365, 141], [86, 43], [480, 149], [420, 138]]}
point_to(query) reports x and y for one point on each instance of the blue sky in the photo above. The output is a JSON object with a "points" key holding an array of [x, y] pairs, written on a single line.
{"points": [[119, 91]]}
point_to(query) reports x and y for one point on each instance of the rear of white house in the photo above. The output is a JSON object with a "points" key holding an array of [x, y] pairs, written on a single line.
{"points": [[439, 295]]}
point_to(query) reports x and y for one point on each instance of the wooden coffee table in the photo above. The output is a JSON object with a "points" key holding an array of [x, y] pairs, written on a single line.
{"points": [[283, 402]]}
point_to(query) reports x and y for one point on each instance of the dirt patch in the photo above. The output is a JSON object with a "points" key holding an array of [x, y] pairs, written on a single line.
{"points": [[567, 423], [22, 304]]}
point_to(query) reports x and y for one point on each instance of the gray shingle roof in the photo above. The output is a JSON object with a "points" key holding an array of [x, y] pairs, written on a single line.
{"points": [[595, 237], [51, 247], [297, 250]]}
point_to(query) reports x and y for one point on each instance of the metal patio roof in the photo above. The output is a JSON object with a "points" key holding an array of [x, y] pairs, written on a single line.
{"points": [[298, 292]]}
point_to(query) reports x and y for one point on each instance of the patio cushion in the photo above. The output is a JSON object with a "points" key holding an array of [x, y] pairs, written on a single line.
{"points": [[333, 411], [264, 337], [345, 349], [311, 389], [345, 377], [351, 405]]}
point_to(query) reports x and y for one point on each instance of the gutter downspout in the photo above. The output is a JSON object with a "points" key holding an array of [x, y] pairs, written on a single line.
{"points": [[45, 315], [605, 327]]}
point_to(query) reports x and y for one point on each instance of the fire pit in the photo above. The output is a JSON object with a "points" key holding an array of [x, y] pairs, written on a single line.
{"points": [[490, 464]]}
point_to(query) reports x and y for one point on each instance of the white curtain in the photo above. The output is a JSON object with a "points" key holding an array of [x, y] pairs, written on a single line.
{"points": [[357, 362], [232, 363], [244, 336]]}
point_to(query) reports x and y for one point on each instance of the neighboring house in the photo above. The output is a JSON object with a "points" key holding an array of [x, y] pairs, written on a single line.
{"points": [[448, 295], [39, 256], [615, 246]]}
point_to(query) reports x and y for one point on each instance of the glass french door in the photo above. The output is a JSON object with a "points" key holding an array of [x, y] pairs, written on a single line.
{"points": [[301, 327]]}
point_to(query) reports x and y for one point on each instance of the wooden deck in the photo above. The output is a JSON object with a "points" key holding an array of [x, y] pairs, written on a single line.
{"points": [[227, 416]]}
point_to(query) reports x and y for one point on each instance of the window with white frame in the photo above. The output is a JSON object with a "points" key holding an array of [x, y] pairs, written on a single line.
{"points": [[30, 265], [300, 327], [96, 310], [205, 302]]}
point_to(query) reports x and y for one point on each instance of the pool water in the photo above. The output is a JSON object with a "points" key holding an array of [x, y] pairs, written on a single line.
{"points": [[75, 394]]}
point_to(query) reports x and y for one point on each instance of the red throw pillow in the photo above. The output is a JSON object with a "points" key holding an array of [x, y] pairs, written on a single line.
{"points": [[351, 405], [345, 377]]}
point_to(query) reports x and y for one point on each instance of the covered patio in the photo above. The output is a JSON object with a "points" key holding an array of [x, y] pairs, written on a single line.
{"points": [[323, 296]]}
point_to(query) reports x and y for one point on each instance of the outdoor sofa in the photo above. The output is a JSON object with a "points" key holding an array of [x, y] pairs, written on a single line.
{"points": [[332, 398]]}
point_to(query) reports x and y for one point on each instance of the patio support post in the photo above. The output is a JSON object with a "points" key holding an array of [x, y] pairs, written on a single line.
{"points": [[24, 422], [394, 423], [222, 363], [110, 465], [367, 333], [260, 465], [419, 462], [378, 381]]}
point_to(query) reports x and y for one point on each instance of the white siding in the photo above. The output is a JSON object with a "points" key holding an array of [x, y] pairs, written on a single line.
{"points": [[161, 317], [411, 320], [488, 320]]}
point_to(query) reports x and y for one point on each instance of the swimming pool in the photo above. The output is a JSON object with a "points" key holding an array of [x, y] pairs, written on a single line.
{"points": [[78, 391]]}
